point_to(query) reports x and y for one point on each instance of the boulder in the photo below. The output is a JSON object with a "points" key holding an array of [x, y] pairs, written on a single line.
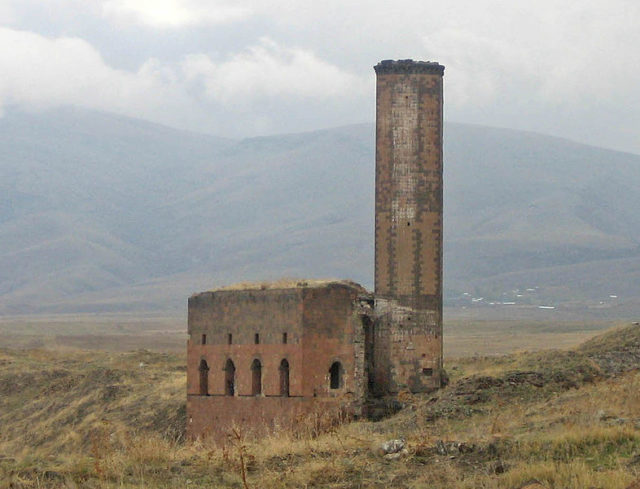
{"points": [[393, 449]]}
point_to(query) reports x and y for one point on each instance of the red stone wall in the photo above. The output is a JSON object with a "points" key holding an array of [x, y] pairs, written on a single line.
{"points": [[332, 332], [322, 325], [408, 251], [409, 352], [243, 313], [242, 356], [408, 248]]}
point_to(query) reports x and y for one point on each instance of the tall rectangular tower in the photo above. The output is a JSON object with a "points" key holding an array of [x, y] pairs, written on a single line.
{"points": [[408, 234]]}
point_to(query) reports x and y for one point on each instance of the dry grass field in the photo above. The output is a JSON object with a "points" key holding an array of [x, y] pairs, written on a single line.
{"points": [[464, 336], [94, 332], [566, 418]]}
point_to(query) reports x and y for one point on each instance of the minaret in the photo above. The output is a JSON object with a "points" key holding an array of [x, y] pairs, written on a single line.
{"points": [[408, 234]]}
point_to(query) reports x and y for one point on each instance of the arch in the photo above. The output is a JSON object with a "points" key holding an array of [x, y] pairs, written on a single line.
{"points": [[284, 378], [256, 378], [335, 375], [204, 378], [229, 378]]}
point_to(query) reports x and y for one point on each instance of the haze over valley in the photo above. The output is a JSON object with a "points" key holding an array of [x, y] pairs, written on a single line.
{"points": [[103, 213]]}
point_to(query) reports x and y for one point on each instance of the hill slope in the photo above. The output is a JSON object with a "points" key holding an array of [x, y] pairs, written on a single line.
{"points": [[105, 213], [568, 419]]}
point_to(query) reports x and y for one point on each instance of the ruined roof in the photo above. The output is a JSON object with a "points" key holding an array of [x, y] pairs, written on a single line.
{"points": [[289, 283], [408, 66]]}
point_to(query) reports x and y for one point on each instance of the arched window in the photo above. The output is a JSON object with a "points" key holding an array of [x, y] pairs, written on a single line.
{"points": [[204, 377], [229, 378], [256, 378], [284, 378], [335, 373]]}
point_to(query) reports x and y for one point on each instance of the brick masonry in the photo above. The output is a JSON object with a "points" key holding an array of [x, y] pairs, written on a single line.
{"points": [[342, 346], [323, 325], [408, 233]]}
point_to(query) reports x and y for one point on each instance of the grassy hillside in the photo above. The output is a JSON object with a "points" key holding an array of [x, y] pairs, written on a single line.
{"points": [[569, 419], [101, 213]]}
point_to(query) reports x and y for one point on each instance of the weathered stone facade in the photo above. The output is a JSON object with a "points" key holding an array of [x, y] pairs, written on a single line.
{"points": [[261, 358], [408, 251]]}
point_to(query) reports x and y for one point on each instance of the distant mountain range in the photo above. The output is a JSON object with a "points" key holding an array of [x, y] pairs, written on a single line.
{"points": [[105, 213]]}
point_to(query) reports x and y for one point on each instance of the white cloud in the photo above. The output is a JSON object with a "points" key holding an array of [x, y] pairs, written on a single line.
{"points": [[173, 13], [40, 72], [562, 67], [270, 70], [234, 96], [570, 54]]}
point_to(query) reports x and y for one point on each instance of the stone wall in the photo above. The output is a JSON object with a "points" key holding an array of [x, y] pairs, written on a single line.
{"points": [[323, 325], [409, 355], [243, 314], [333, 332], [408, 248]]}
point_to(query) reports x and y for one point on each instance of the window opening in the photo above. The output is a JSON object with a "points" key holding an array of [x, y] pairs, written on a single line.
{"points": [[256, 378], [284, 378], [284, 338], [427, 371], [229, 339], [204, 377], [204, 339], [335, 373], [229, 378], [256, 339]]}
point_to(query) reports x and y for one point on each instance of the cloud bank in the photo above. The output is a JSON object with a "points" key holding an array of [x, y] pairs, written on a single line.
{"points": [[247, 67], [269, 70], [43, 73]]}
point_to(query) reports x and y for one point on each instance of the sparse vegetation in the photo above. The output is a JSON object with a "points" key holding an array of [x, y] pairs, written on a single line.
{"points": [[568, 419]]}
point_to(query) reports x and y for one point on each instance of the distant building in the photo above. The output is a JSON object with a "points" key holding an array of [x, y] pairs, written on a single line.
{"points": [[263, 357]]}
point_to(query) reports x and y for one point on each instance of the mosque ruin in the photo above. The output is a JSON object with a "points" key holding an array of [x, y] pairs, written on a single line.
{"points": [[261, 357]]}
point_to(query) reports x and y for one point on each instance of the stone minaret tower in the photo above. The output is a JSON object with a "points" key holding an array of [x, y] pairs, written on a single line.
{"points": [[408, 247]]}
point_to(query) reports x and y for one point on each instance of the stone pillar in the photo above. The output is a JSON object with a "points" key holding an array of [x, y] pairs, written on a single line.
{"points": [[408, 234]]}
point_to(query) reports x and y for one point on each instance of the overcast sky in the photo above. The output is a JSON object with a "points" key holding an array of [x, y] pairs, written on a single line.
{"points": [[253, 67]]}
